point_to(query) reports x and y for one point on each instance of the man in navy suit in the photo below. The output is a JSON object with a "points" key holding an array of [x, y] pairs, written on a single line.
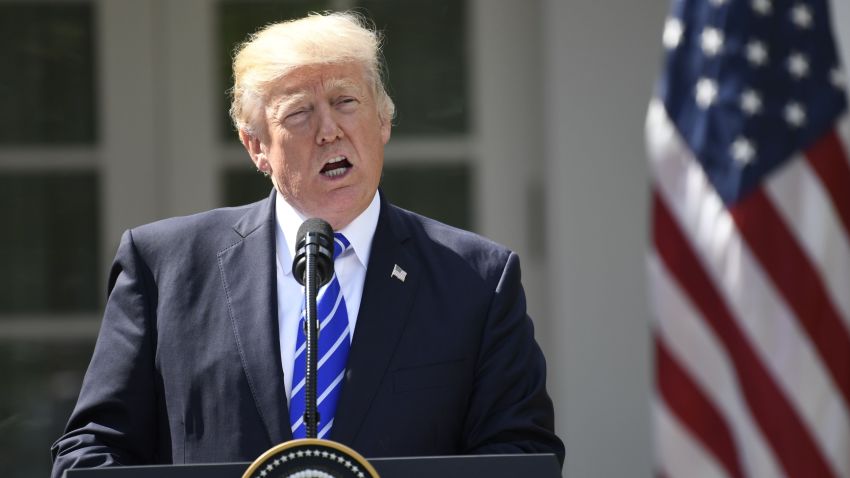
{"points": [[195, 357]]}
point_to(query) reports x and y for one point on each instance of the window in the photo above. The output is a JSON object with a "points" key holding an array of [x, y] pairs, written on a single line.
{"points": [[48, 198], [440, 191], [49, 251], [51, 286], [41, 382], [47, 90]]}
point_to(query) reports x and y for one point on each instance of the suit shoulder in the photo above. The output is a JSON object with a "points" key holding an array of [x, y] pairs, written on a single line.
{"points": [[194, 224], [198, 221], [437, 240], [206, 230]]}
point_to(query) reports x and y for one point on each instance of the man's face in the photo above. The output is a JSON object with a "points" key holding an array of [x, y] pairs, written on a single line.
{"points": [[324, 141]]}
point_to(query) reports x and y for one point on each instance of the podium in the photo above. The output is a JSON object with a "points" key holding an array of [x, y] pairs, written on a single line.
{"points": [[491, 466]]}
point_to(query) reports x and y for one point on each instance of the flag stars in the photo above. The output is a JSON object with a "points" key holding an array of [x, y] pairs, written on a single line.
{"points": [[756, 52], [711, 41], [795, 114], [762, 7], [743, 151], [751, 102], [801, 15], [673, 30], [706, 92], [798, 65]]}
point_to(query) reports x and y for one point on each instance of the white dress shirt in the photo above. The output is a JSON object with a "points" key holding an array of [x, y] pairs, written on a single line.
{"points": [[350, 269]]}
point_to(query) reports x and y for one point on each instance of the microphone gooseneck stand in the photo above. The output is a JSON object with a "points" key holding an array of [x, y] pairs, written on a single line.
{"points": [[312, 267], [311, 290]]}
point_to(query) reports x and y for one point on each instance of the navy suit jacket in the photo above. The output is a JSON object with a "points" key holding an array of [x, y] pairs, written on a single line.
{"points": [[187, 363]]}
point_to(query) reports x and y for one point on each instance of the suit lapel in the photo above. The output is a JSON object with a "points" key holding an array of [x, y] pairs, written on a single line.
{"points": [[384, 309], [249, 279]]}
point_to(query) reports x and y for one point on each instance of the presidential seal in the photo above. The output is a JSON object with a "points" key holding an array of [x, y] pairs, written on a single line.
{"points": [[310, 458]]}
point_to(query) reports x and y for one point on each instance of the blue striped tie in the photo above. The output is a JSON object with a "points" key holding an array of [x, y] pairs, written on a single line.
{"points": [[334, 342]]}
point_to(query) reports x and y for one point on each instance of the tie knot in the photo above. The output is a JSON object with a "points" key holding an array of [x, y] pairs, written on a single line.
{"points": [[340, 244]]}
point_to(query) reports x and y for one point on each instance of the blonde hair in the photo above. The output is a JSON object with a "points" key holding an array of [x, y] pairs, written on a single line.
{"points": [[279, 48]]}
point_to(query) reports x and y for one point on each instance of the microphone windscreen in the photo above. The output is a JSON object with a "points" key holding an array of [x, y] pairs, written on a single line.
{"points": [[315, 226], [315, 237]]}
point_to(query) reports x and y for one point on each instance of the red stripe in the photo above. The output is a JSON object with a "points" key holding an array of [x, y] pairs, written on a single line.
{"points": [[685, 399], [792, 273], [829, 160], [790, 439]]}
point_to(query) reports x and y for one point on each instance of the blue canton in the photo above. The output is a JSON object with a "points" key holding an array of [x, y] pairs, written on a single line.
{"points": [[749, 83]]}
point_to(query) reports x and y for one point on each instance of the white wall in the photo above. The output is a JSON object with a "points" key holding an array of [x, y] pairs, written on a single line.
{"points": [[507, 134], [600, 61], [841, 29]]}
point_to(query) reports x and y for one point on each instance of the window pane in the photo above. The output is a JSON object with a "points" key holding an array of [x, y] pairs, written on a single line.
{"points": [[425, 50], [41, 381], [47, 90], [49, 254], [244, 186], [441, 192]]}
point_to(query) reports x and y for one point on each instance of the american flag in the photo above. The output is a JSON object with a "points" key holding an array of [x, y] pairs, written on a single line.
{"points": [[747, 136]]}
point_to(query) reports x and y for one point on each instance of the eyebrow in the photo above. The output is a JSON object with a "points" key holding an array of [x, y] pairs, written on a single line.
{"points": [[287, 100], [335, 84], [290, 97]]}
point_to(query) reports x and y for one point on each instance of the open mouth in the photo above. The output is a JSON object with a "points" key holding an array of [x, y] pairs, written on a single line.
{"points": [[337, 166]]}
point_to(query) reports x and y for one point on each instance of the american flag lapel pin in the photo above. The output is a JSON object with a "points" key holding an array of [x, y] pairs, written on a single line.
{"points": [[398, 273]]}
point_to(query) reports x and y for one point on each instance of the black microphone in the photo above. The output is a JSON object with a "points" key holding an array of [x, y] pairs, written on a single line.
{"points": [[315, 238], [312, 267]]}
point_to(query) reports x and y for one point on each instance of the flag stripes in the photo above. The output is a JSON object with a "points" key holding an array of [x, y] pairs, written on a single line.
{"points": [[682, 457], [695, 347], [828, 157], [788, 436], [799, 283], [807, 211], [695, 411]]}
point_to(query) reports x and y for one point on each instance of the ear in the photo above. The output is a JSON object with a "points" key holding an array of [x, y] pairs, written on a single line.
{"points": [[386, 128], [253, 145]]}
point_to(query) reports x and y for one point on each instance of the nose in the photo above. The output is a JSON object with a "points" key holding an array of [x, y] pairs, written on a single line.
{"points": [[329, 130]]}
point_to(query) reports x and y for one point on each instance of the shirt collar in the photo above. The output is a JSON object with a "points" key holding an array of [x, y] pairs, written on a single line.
{"points": [[359, 232]]}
